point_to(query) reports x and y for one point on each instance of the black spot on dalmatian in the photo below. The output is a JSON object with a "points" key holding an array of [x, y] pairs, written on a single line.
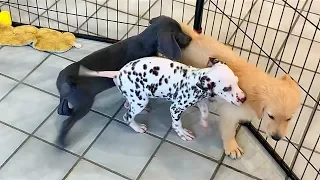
{"points": [[144, 74], [144, 66], [175, 95], [184, 72], [137, 79], [166, 80], [131, 90], [227, 89], [137, 85], [134, 63], [171, 65], [124, 92], [141, 82], [137, 93], [125, 71], [156, 68], [132, 68], [129, 77], [155, 73], [175, 71], [129, 73], [134, 73]]}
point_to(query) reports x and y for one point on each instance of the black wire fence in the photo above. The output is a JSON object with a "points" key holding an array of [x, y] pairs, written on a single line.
{"points": [[279, 36]]}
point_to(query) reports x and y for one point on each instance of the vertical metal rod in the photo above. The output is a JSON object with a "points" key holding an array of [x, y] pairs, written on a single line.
{"points": [[198, 16], [305, 131]]}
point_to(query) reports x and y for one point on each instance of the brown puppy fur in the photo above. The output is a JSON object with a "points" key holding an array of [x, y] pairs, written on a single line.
{"points": [[275, 100]]}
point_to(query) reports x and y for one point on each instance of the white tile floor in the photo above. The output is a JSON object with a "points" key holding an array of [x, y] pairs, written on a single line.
{"points": [[102, 146]]}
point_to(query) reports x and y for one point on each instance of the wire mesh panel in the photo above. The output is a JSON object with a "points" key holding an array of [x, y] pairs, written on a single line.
{"points": [[278, 36], [114, 19]]}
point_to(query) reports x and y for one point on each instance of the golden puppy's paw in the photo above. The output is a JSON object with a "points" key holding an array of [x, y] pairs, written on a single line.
{"points": [[233, 150]]}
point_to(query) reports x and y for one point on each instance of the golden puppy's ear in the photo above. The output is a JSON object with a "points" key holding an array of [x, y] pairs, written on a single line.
{"points": [[291, 82], [258, 100], [258, 108], [289, 79], [286, 77]]}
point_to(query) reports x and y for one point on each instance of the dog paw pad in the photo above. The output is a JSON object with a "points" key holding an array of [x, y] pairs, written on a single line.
{"points": [[185, 134], [233, 150], [140, 128]]}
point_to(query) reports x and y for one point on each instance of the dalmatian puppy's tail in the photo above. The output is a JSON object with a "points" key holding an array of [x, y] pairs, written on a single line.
{"points": [[83, 71]]}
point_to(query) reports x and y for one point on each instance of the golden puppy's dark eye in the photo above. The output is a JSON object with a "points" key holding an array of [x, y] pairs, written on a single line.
{"points": [[271, 117], [289, 119]]}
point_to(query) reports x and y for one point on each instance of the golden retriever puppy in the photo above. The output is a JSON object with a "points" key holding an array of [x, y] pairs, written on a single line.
{"points": [[275, 100]]}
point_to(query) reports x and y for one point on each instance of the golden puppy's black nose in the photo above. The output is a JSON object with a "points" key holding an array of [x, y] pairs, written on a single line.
{"points": [[276, 137]]}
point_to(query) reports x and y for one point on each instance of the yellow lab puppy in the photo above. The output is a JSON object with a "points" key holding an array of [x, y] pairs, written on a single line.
{"points": [[274, 99]]}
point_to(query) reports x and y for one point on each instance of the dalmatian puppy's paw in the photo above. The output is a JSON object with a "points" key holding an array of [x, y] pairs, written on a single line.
{"points": [[233, 150], [140, 128], [185, 134]]}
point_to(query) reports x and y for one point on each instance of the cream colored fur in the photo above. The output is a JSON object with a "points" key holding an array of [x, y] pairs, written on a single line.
{"points": [[275, 100]]}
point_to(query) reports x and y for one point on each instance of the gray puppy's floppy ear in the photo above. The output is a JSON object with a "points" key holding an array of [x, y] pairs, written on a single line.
{"points": [[183, 39], [154, 19], [168, 46]]}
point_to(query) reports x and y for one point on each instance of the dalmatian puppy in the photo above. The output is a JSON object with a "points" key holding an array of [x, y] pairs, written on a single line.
{"points": [[184, 86]]}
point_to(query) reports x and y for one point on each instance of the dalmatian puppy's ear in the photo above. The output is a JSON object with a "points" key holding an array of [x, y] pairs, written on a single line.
{"points": [[212, 61], [168, 46], [206, 84], [202, 83]]}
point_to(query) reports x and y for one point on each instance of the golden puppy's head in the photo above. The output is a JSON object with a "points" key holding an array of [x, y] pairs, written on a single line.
{"points": [[276, 102]]}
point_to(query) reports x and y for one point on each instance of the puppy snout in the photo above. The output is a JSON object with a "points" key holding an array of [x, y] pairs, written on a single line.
{"points": [[242, 100], [276, 137]]}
